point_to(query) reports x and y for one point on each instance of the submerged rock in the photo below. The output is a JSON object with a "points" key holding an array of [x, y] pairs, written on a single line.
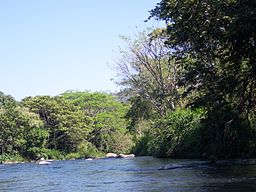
{"points": [[185, 165]]}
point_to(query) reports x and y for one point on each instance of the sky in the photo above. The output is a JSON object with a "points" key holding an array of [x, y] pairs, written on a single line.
{"points": [[50, 46]]}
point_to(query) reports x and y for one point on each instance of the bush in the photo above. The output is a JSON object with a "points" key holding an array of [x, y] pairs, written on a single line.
{"points": [[37, 153], [87, 149], [11, 158], [121, 143], [73, 156], [177, 134], [141, 147]]}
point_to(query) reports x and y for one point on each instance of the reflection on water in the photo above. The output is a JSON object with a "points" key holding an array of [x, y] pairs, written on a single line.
{"points": [[139, 174]]}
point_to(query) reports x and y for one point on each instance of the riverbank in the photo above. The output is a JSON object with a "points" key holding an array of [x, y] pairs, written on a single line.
{"points": [[43, 161]]}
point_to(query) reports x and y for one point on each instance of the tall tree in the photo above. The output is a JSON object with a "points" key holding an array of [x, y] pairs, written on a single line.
{"points": [[219, 37], [148, 69]]}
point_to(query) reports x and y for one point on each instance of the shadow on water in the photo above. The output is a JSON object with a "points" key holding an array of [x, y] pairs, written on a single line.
{"points": [[138, 174]]}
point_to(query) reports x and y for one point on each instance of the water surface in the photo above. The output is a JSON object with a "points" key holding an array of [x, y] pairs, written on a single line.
{"points": [[138, 174]]}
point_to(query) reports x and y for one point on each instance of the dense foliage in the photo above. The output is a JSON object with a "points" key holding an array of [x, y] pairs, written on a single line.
{"points": [[177, 134], [189, 91], [21, 131], [219, 38], [204, 58], [108, 133], [73, 125]]}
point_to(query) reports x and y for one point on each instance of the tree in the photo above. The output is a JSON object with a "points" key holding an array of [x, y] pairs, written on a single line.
{"points": [[6, 100], [67, 124], [92, 103], [220, 35], [219, 38], [139, 115], [148, 70], [109, 133], [210, 28], [20, 130]]}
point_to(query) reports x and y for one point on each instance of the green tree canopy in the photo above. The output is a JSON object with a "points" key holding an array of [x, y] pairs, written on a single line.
{"points": [[67, 124], [109, 133], [20, 130], [93, 103], [6, 100]]}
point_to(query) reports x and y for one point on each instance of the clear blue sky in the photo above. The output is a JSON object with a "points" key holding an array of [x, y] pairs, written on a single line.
{"points": [[50, 46]]}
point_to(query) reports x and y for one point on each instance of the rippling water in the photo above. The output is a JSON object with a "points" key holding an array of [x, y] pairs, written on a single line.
{"points": [[138, 174]]}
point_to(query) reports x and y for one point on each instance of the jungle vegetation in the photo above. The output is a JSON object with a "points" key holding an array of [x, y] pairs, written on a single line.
{"points": [[188, 90]]}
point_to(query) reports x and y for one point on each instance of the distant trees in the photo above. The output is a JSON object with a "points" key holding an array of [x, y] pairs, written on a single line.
{"points": [[108, 126], [6, 100], [20, 129], [72, 125], [67, 125]]}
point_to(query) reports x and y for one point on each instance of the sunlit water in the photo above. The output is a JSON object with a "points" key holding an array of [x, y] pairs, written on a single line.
{"points": [[138, 174]]}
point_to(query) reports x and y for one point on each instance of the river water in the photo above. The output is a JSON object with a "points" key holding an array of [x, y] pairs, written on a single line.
{"points": [[138, 174]]}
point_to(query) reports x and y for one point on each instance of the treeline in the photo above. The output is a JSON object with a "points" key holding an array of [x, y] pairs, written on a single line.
{"points": [[71, 125]]}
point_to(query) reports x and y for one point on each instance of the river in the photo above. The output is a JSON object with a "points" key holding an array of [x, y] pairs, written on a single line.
{"points": [[115, 175]]}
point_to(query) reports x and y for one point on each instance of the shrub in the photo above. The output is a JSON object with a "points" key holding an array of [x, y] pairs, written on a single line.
{"points": [[141, 147], [11, 157], [37, 153], [73, 156], [87, 149], [177, 134]]}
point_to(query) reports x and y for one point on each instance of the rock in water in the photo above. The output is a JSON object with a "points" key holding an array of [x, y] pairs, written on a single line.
{"points": [[111, 155], [126, 156], [44, 162]]}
